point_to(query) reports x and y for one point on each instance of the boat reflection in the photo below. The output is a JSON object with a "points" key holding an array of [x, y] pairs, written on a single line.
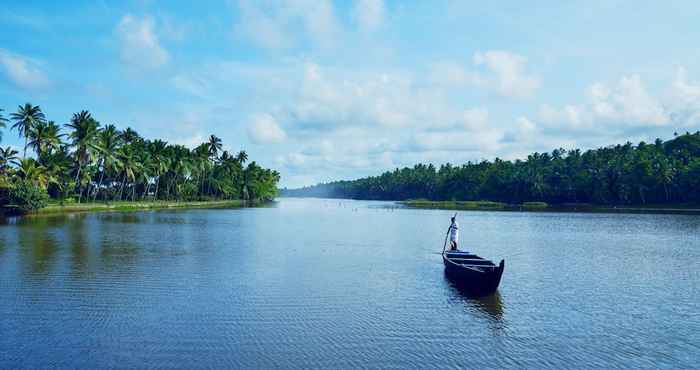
{"points": [[491, 306]]}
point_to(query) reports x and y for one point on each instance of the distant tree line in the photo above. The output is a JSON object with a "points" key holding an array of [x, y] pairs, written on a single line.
{"points": [[84, 160], [657, 173]]}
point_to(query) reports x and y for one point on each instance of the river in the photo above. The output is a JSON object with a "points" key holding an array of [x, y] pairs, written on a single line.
{"points": [[317, 283]]}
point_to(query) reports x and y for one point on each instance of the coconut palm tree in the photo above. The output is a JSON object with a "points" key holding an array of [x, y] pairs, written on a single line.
{"points": [[129, 166], [8, 156], [159, 161], [181, 166], [130, 136], [26, 117], [108, 141], [215, 146], [30, 170], [58, 163], [85, 130], [200, 162], [44, 138], [3, 123], [242, 157]]}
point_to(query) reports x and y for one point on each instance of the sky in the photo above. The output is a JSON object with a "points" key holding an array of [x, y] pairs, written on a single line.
{"points": [[328, 90]]}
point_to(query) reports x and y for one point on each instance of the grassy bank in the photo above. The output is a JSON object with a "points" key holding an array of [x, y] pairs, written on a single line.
{"points": [[544, 207], [457, 205], [56, 208]]}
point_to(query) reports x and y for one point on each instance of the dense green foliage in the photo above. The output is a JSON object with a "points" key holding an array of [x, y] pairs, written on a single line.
{"points": [[658, 173], [27, 196], [95, 162]]}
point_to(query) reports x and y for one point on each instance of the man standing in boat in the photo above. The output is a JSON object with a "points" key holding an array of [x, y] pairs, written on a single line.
{"points": [[454, 234]]}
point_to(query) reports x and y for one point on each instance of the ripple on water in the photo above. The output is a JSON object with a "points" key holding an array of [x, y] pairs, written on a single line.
{"points": [[328, 284]]}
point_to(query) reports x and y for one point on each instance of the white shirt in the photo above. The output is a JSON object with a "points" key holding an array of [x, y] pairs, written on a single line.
{"points": [[454, 232]]}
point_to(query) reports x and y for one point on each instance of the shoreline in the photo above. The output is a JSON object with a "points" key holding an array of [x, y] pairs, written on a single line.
{"points": [[681, 209], [128, 206]]}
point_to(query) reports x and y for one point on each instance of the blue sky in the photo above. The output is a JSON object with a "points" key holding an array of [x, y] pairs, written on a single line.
{"points": [[332, 90]]}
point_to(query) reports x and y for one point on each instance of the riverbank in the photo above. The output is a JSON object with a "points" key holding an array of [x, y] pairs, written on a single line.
{"points": [[126, 206], [691, 209]]}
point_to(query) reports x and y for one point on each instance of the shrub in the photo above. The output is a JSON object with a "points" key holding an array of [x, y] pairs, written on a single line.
{"points": [[535, 205], [27, 196]]}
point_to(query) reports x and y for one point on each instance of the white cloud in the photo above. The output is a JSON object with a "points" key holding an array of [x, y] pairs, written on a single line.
{"points": [[630, 102], [507, 76], [189, 141], [320, 21], [455, 141], [294, 160], [23, 72], [334, 99], [475, 119], [451, 74], [624, 105], [139, 43], [498, 71], [523, 132], [572, 115], [684, 100], [685, 90], [275, 25], [369, 14], [261, 28], [264, 129]]}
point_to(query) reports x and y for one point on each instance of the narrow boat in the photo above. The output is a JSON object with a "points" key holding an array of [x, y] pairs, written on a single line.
{"points": [[475, 275]]}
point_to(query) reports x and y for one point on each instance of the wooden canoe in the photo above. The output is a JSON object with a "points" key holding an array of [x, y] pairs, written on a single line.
{"points": [[475, 275]]}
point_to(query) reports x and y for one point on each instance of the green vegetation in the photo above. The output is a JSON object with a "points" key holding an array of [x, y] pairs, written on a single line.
{"points": [[687, 209], [95, 163], [135, 206], [27, 196], [535, 205], [662, 173], [451, 204]]}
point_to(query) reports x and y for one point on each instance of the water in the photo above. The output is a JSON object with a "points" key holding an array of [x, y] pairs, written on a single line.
{"points": [[346, 284]]}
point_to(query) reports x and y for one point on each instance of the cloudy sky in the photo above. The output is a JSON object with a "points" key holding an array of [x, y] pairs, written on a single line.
{"points": [[333, 90]]}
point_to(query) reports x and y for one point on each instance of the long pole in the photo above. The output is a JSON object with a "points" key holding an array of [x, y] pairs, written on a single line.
{"points": [[444, 245]]}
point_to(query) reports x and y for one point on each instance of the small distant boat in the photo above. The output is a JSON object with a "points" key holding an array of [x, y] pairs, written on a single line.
{"points": [[475, 275]]}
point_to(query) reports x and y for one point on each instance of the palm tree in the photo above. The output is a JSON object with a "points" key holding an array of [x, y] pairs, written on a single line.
{"points": [[44, 138], [146, 172], [214, 145], [129, 165], [182, 167], [58, 163], [26, 118], [30, 170], [3, 122], [8, 156], [242, 157], [83, 140], [159, 160], [200, 158], [130, 136], [108, 141]]}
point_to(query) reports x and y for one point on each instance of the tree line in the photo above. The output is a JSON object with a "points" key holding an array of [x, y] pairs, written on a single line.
{"points": [[646, 173], [85, 161]]}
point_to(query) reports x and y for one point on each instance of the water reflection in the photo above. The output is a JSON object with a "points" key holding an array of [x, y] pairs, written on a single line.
{"points": [[78, 245], [38, 248], [118, 256], [124, 218], [309, 286], [491, 306]]}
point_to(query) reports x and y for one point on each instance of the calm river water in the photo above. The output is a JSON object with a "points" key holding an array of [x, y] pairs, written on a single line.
{"points": [[346, 284]]}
